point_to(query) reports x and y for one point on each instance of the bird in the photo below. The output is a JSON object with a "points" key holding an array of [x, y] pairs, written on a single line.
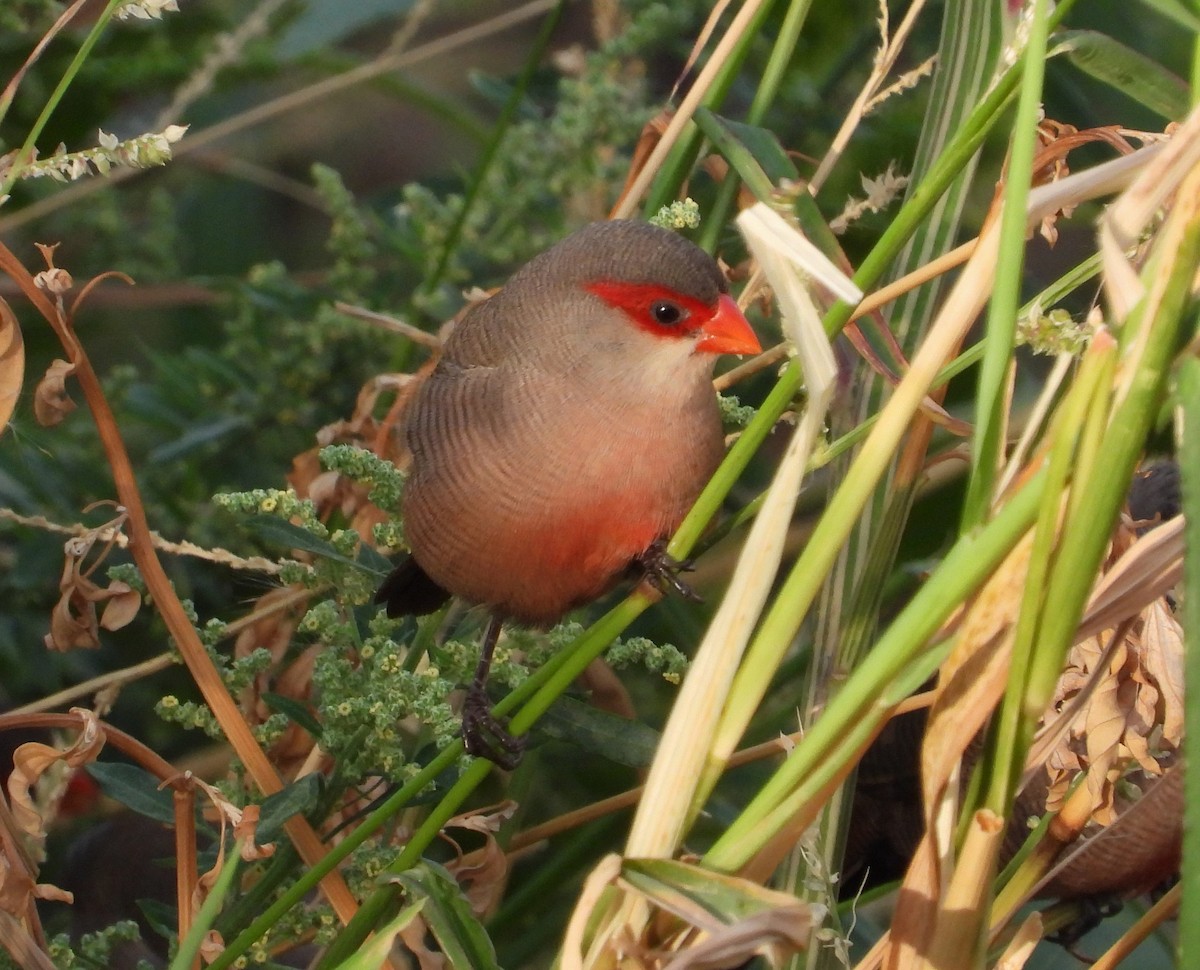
{"points": [[563, 435]]}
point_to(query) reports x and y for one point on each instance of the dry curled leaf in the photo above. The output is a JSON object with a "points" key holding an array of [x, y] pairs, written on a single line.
{"points": [[414, 937], [483, 878], [20, 945], [245, 825], [12, 363], [73, 622], [1131, 717], [51, 403], [244, 822], [212, 946], [33, 759]]}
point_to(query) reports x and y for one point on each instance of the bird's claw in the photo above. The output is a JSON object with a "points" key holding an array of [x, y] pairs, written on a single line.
{"points": [[662, 571], [485, 735]]}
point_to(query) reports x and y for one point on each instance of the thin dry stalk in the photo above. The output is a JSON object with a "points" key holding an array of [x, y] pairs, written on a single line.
{"points": [[121, 540], [385, 64], [885, 60], [1132, 938], [960, 918], [732, 37], [187, 872], [63, 20], [237, 731], [226, 48]]}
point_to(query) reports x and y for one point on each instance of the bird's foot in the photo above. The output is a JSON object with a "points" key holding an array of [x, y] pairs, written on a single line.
{"points": [[485, 735], [662, 571]]}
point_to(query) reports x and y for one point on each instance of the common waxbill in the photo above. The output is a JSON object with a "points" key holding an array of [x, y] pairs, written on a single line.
{"points": [[563, 435]]}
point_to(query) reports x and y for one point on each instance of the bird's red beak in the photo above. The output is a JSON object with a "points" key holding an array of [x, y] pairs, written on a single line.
{"points": [[727, 332]]}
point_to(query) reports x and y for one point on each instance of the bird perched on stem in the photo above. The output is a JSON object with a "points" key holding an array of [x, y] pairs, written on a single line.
{"points": [[565, 432]]}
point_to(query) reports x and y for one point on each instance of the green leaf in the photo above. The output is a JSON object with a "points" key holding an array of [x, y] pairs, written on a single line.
{"points": [[198, 436], [459, 933], [296, 712], [297, 798], [372, 560], [498, 92], [376, 951], [741, 145], [766, 148], [135, 789], [1177, 11], [189, 947], [290, 536], [696, 893], [1129, 72], [617, 738]]}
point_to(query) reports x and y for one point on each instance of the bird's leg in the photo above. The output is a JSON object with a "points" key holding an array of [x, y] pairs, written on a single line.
{"points": [[662, 571], [484, 734]]}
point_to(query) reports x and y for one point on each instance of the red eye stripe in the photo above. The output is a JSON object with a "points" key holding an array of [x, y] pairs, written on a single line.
{"points": [[637, 300]]}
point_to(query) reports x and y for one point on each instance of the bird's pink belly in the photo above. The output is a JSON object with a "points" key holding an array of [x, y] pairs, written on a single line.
{"points": [[555, 563]]}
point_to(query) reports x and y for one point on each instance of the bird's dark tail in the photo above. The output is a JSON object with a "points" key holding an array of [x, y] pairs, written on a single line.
{"points": [[408, 589]]}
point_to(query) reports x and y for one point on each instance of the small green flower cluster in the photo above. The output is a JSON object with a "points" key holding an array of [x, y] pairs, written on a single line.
{"points": [[92, 950], [537, 648], [283, 503], [1053, 333], [659, 658], [238, 675], [375, 710], [385, 481], [127, 573], [351, 238], [734, 414], [678, 215]]}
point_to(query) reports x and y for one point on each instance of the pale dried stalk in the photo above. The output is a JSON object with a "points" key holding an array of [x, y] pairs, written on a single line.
{"points": [[226, 48], [691, 101], [885, 59], [1123, 223], [1133, 937], [292, 101], [958, 935], [225, 710], [1020, 948], [121, 540], [126, 675]]}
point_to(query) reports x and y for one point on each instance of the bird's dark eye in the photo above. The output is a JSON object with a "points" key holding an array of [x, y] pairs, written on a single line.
{"points": [[667, 313]]}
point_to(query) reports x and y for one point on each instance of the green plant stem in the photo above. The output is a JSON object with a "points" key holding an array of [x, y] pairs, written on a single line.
{"points": [[816, 759], [313, 875], [189, 947], [682, 157], [1088, 393], [744, 164], [1101, 491], [507, 114], [25, 154], [768, 86], [991, 406]]}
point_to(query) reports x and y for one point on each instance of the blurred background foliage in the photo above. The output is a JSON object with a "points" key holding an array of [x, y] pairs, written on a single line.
{"points": [[228, 355]]}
